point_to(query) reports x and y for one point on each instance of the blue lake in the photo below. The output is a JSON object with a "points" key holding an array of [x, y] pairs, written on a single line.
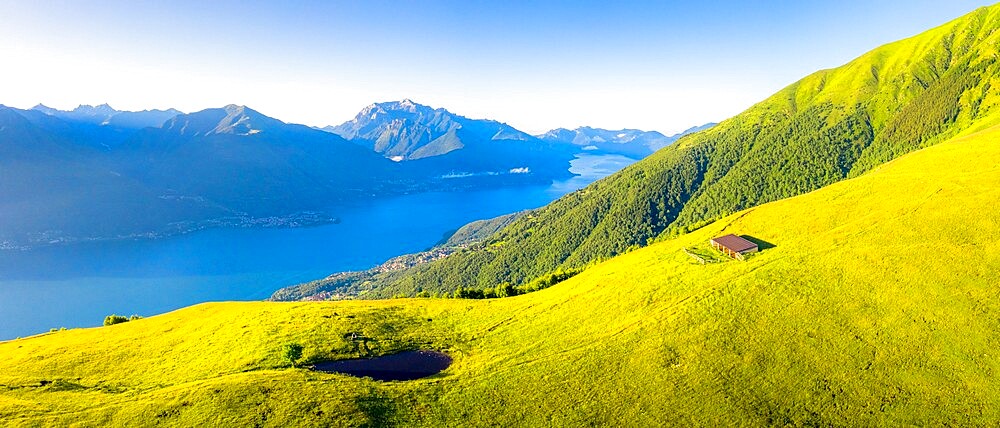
{"points": [[77, 285]]}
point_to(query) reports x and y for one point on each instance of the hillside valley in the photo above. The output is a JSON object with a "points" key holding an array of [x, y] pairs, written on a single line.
{"points": [[821, 258], [902, 337]]}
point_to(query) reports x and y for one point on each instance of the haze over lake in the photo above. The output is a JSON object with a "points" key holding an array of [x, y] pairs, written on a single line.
{"points": [[77, 285]]}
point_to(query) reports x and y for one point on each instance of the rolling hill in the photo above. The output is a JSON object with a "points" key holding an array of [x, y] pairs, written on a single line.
{"points": [[831, 125], [873, 302]]}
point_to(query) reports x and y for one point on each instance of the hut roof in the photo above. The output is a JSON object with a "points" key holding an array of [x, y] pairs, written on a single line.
{"points": [[734, 243]]}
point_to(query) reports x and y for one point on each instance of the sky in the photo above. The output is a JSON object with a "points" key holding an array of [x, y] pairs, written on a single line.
{"points": [[658, 65]]}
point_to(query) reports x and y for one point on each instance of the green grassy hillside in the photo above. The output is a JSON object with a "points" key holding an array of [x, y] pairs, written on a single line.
{"points": [[874, 302], [831, 125]]}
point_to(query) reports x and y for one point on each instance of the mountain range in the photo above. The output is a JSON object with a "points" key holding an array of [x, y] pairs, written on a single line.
{"points": [[632, 143], [405, 130], [81, 175], [98, 173], [107, 116]]}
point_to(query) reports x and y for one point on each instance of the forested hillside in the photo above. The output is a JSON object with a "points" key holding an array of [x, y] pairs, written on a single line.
{"points": [[828, 126]]}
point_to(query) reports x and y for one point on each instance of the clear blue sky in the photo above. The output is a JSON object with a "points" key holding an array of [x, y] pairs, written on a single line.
{"points": [[536, 65]]}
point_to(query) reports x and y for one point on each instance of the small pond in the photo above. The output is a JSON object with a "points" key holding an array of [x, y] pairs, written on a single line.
{"points": [[408, 365]]}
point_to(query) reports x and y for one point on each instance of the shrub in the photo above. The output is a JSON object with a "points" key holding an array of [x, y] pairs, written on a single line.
{"points": [[469, 293], [292, 352], [114, 319]]}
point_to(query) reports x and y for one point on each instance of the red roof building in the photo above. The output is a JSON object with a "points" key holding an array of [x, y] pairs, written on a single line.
{"points": [[733, 246]]}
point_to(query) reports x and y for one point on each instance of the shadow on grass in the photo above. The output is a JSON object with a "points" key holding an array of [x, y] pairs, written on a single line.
{"points": [[379, 409], [761, 244]]}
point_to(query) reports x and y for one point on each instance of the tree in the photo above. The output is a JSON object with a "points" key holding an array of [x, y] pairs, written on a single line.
{"points": [[114, 319], [293, 352], [505, 290]]}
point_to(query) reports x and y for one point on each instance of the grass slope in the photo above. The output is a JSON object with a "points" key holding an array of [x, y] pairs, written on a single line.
{"points": [[829, 126], [876, 305]]}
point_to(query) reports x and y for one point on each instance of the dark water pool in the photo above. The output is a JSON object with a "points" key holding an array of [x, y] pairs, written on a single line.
{"points": [[408, 365]]}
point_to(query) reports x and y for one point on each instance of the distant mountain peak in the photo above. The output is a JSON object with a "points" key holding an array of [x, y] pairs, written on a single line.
{"points": [[45, 109], [236, 109], [242, 120], [406, 105], [378, 117], [105, 115], [406, 129], [634, 143], [103, 109], [9, 115], [232, 119], [375, 110]]}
